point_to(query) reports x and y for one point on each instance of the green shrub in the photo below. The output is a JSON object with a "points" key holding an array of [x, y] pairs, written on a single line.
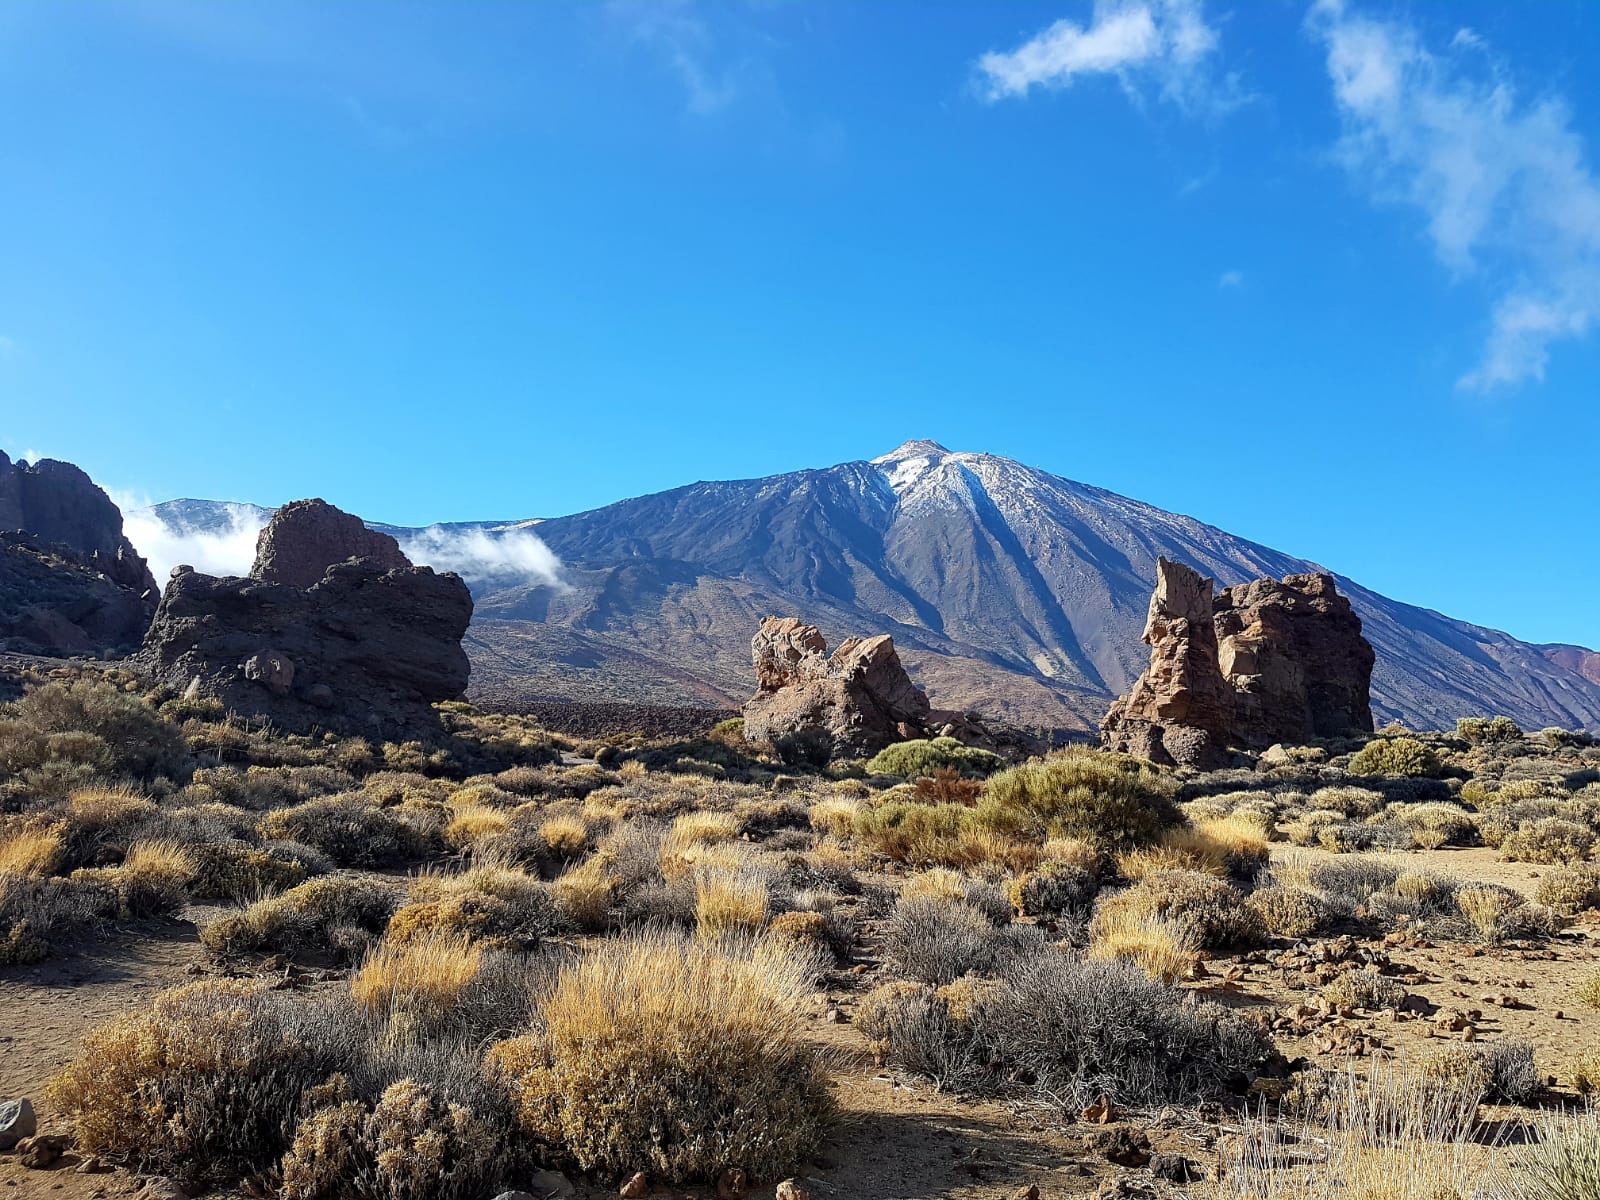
{"points": [[1480, 731], [1551, 840], [1396, 756], [924, 757], [1111, 800], [135, 740]]}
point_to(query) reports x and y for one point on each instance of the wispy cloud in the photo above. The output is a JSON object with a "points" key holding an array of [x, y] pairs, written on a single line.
{"points": [[676, 31], [1231, 279], [1165, 45], [487, 557], [1502, 183]]}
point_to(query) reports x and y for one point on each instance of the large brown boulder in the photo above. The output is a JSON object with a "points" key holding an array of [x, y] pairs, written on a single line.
{"points": [[860, 698], [70, 581], [367, 647], [1263, 662], [306, 537], [1300, 668], [1179, 710]]}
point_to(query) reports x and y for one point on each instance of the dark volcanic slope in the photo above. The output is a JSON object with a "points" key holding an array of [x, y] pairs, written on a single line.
{"points": [[1007, 589]]}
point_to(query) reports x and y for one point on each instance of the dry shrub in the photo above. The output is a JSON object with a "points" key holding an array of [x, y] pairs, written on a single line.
{"points": [[1570, 890], [1551, 840], [1560, 1161], [1212, 913], [349, 829], [1162, 949], [729, 899], [1232, 845], [236, 870], [674, 1057], [336, 916], [1054, 889], [420, 980], [834, 815], [685, 844], [1497, 913], [151, 881], [203, 1083], [471, 824], [1589, 990], [491, 905], [566, 836], [1346, 801], [583, 894], [33, 911], [31, 847], [943, 884], [1364, 989], [1403, 756], [102, 820], [1290, 912], [937, 940]]}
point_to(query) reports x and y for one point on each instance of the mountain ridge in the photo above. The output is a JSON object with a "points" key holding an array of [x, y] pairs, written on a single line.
{"points": [[1008, 589]]}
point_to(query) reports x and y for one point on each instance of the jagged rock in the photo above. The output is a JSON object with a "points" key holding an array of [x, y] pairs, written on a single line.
{"points": [[70, 581], [306, 537], [1178, 711], [368, 647], [1266, 662], [1299, 666], [860, 697]]}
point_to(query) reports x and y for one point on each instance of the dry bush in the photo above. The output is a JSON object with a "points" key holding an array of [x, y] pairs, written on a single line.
{"points": [[1561, 1161], [33, 911], [413, 1143], [686, 842], [1346, 884], [677, 1058], [1434, 823], [937, 940], [584, 893], [236, 870], [101, 822], [1589, 990], [31, 847], [1551, 840], [1162, 949], [1289, 912], [132, 737], [943, 884], [419, 980], [1364, 989], [337, 916], [1346, 801], [1054, 889], [834, 815], [1570, 890], [491, 905], [730, 900], [349, 829], [1210, 912], [471, 824], [152, 880], [1306, 829], [1112, 800], [202, 1084], [1498, 914], [566, 836]]}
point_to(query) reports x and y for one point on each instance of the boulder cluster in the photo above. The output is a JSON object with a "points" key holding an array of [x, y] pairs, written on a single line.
{"points": [[857, 700], [333, 629], [1266, 662], [70, 581]]}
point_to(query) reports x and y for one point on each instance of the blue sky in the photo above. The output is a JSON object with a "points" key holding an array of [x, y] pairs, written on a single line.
{"points": [[1325, 276]]}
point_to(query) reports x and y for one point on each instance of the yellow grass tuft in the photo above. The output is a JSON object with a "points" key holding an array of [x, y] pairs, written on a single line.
{"points": [[470, 823], [32, 849], [1161, 948], [566, 835], [729, 899], [419, 980], [584, 893]]}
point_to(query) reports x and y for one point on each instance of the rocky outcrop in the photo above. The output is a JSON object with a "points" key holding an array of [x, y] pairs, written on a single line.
{"points": [[306, 537], [1179, 710], [860, 697], [1263, 662], [70, 581], [1293, 652], [367, 647]]}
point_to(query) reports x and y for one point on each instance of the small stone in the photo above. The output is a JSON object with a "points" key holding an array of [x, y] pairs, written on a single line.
{"points": [[164, 1189], [548, 1185], [1101, 1112], [1174, 1168], [791, 1189], [93, 1166], [42, 1149], [638, 1185], [17, 1121], [1031, 1192]]}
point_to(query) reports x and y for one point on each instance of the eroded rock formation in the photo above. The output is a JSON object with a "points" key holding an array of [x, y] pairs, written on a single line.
{"points": [[368, 646], [1179, 710], [70, 581], [1263, 662], [860, 696]]}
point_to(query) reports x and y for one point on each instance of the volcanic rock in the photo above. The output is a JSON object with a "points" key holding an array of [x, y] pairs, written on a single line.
{"points": [[1264, 663], [367, 647], [306, 537], [1299, 666], [1179, 710], [70, 581], [860, 697]]}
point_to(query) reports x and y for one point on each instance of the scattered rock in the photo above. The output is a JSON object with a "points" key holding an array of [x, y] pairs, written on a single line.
{"points": [[1101, 1112], [791, 1189], [17, 1121], [42, 1149], [1121, 1146], [367, 647], [163, 1188], [638, 1184], [1174, 1168]]}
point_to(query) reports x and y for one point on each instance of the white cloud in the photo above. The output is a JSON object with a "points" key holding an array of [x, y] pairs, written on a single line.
{"points": [[1503, 184], [228, 548], [479, 556], [1164, 43], [684, 41], [1231, 279]]}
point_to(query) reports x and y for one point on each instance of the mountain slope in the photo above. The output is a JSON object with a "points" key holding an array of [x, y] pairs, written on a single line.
{"points": [[1007, 589]]}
